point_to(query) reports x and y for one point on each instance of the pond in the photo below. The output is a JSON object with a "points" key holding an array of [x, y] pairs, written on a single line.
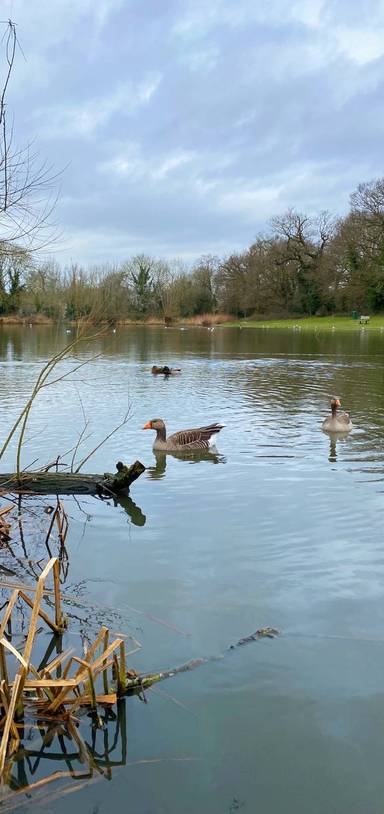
{"points": [[282, 528]]}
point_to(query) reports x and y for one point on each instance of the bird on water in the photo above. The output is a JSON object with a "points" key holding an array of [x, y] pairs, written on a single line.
{"points": [[338, 421], [196, 438]]}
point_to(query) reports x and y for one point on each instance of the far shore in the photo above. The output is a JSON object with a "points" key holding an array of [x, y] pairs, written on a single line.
{"points": [[376, 323], [327, 324]]}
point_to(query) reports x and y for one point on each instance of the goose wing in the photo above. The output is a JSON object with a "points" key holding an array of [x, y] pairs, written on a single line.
{"points": [[344, 418], [198, 437]]}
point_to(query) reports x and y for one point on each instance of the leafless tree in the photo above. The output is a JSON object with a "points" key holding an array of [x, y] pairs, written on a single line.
{"points": [[368, 198], [27, 185], [306, 237]]}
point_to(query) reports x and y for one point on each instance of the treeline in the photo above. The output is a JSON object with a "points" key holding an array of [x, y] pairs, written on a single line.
{"points": [[304, 265]]}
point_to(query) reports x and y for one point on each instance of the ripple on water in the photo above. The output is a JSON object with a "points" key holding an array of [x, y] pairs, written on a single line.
{"points": [[286, 529]]}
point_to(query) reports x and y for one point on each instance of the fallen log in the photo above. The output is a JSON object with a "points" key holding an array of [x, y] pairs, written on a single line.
{"points": [[69, 483]]}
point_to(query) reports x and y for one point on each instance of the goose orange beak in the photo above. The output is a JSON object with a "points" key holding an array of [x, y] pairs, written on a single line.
{"points": [[338, 403], [148, 425]]}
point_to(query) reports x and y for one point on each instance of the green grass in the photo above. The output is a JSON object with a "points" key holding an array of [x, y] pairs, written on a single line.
{"points": [[311, 323]]}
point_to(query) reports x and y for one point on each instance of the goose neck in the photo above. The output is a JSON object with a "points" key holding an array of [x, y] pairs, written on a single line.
{"points": [[161, 434]]}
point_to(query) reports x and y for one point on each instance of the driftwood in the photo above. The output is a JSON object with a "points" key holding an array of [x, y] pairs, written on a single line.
{"points": [[68, 483]]}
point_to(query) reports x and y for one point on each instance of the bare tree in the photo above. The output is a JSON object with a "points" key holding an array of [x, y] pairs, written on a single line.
{"points": [[306, 237], [368, 198], [367, 216], [27, 195], [303, 241]]}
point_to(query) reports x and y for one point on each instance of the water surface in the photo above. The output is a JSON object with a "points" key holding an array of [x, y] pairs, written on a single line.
{"points": [[283, 528]]}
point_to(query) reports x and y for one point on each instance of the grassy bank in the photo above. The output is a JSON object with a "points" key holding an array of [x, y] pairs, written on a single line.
{"points": [[313, 323], [376, 323]]}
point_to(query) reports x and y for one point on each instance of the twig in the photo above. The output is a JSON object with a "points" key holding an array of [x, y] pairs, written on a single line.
{"points": [[107, 437]]}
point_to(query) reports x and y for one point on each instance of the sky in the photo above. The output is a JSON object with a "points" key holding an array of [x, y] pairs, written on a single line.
{"points": [[182, 126]]}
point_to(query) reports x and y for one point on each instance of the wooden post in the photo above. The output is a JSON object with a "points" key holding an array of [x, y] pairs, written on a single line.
{"points": [[56, 580], [3, 666], [105, 672], [36, 607], [123, 669], [116, 668], [4, 692], [91, 688], [23, 671], [9, 719], [8, 611]]}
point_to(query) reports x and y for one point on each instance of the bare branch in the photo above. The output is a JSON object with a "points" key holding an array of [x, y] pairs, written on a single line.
{"points": [[107, 437], [27, 197]]}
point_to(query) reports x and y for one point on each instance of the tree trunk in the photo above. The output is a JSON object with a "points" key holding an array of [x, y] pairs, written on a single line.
{"points": [[68, 483]]}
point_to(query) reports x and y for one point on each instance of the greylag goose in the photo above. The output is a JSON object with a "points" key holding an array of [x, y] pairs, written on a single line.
{"points": [[198, 438], [165, 370], [338, 421]]}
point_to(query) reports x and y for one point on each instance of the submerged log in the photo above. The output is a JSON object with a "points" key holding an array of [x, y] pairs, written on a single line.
{"points": [[69, 483]]}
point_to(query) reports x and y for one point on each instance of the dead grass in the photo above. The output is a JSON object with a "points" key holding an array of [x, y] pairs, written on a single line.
{"points": [[207, 320], [34, 319]]}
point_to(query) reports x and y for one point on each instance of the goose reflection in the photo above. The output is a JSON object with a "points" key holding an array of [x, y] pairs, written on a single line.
{"points": [[334, 439], [192, 456]]}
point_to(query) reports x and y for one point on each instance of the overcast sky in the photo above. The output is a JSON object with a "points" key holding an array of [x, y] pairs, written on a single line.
{"points": [[186, 124]]}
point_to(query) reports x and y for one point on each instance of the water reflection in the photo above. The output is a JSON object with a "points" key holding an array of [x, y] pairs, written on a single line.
{"points": [[334, 439], [131, 508], [270, 389], [78, 751], [55, 644], [192, 456]]}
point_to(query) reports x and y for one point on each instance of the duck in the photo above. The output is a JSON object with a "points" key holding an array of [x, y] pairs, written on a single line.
{"points": [[198, 438], [165, 370], [337, 421]]}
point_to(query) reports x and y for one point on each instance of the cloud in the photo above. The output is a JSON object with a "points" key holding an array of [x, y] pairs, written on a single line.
{"points": [[360, 45], [309, 12], [253, 203], [131, 164], [52, 21], [84, 119], [185, 125]]}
